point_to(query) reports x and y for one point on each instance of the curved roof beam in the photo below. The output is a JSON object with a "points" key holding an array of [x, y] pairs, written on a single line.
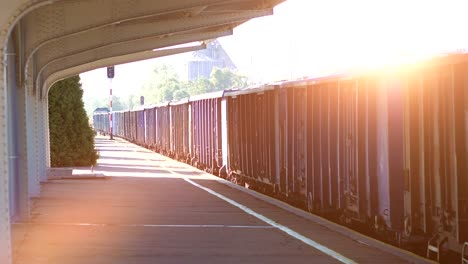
{"points": [[127, 48], [65, 73], [125, 33], [64, 18]]}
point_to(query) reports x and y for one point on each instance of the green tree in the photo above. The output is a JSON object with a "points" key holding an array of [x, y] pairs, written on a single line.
{"points": [[161, 86], [133, 101], [71, 137], [226, 79], [165, 85], [180, 94], [118, 104], [198, 86]]}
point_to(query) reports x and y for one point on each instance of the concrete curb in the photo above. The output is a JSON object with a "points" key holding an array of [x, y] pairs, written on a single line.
{"points": [[94, 176], [67, 174]]}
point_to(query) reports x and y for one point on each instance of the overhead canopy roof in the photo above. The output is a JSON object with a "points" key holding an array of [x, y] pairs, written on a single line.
{"points": [[63, 38]]}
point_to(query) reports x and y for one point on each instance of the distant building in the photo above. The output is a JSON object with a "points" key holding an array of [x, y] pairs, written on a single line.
{"points": [[202, 62]]}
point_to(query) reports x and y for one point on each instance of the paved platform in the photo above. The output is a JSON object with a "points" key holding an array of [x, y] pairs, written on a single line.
{"points": [[150, 209]]}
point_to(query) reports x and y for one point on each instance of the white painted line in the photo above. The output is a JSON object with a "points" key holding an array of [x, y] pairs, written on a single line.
{"points": [[285, 229], [149, 225]]}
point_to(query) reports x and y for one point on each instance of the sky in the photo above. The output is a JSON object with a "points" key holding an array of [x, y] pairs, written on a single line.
{"points": [[317, 38]]}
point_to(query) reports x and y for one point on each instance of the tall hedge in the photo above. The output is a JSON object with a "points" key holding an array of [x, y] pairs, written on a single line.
{"points": [[71, 137]]}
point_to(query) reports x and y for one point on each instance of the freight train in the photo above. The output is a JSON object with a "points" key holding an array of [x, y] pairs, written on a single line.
{"points": [[385, 151]]}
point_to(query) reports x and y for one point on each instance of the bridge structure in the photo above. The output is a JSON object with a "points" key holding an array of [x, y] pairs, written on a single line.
{"points": [[44, 41]]}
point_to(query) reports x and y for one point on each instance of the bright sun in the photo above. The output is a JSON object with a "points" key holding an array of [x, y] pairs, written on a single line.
{"points": [[321, 37]]}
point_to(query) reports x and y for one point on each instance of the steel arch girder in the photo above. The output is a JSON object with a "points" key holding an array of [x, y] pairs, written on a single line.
{"points": [[65, 18], [11, 12], [109, 36], [136, 48]]}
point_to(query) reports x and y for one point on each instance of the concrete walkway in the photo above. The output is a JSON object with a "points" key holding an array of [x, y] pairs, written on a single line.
{"points": [[151, 209]]}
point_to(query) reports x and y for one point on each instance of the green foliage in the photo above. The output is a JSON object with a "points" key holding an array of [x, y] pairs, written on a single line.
{"points": [[165, 85], [198, 86], [219, 80], [162, 85], [71, 137], [180, 94], [225, 78], [132, 101], [118, 104]]}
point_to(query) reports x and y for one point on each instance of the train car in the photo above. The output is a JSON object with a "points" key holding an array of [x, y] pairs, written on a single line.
{"points": [[101, 120], [115, 123], [309, 132], [150, 127], [326, 100], [384, 150], [334, 158], [388, 186], [119, 124], [292, 129], [132, 126], [180, 129], [140, 127], [127, 125], [251, 137], [435, 154], [163, 131], [205, 113]]}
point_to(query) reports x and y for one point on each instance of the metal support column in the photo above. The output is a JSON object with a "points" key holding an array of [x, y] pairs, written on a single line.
{"points": [[5, 232], [11, 124]]}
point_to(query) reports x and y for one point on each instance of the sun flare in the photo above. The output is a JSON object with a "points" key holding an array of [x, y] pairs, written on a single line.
{"points": [[310, 38]]}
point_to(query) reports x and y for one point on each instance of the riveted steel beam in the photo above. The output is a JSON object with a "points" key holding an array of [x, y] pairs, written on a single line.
{"points": [[126, 32], [22, 133], [5, 233], [125, 49], [71, 71]]}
